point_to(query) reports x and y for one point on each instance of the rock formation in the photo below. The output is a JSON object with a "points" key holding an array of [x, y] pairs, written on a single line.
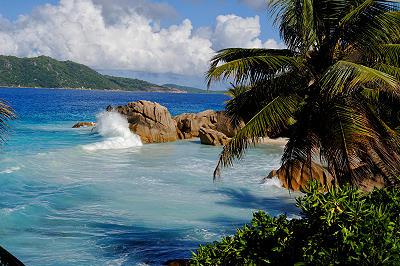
{"points": [[189, 125], [212, 137], [154, 124], [300, 176], [84, 124], [151, 121]]}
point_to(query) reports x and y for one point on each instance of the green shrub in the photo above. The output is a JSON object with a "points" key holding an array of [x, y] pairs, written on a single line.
{"points": [[342, 226]]}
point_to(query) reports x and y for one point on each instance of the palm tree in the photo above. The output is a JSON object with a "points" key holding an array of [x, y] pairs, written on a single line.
{"points": [[334, 92]]}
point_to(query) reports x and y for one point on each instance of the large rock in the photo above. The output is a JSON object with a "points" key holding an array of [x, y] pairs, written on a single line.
{"points": [[212, 137], [300, 176], [154, 124], [84, 124], [189, 125], [151, 121]]}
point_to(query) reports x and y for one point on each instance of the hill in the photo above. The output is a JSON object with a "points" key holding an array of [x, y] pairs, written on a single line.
{"points": [[46, 72]]}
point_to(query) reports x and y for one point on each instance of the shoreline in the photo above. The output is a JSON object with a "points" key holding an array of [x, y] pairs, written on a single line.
{"points": [[108, 90]]}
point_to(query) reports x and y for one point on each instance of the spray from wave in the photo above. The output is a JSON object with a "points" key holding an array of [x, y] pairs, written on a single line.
{"points": [[115, 129]]}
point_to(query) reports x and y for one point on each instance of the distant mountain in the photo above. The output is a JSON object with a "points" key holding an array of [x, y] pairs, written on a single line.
{"points": [[191, 80], [190, 89], [46, 72]]}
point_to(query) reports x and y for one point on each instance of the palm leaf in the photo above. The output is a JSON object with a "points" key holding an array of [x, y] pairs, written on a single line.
{"points": [[344, 77], [250, 66], [389, 53], [388, 69], [373, 30], [273, 116], [247, 104], [355, 13]]}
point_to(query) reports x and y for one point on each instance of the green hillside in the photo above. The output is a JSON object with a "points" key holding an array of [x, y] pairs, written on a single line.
{"points": [[46, 72]]}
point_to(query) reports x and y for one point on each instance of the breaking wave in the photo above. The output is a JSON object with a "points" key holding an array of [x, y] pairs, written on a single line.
{"points": [[115, 129]]}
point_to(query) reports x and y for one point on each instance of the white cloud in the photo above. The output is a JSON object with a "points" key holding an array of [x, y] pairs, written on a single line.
{"points": [[273, 44], [89, 32], [235, 31]]}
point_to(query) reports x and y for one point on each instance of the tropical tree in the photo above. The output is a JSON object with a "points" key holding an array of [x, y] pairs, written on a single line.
{"points": [[334, 92]]}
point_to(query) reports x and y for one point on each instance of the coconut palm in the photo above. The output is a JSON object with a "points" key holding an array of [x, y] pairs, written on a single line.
{"points": [[334, 92]]}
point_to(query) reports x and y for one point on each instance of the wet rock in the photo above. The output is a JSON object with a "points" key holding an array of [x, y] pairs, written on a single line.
{"points": [[188, 125], [212, 137], [150, 120], [84, 124], [300, 176]]}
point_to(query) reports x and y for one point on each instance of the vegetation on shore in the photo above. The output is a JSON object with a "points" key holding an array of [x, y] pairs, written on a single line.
{"points": [[334, 92], [344, 226], [46, 72]]}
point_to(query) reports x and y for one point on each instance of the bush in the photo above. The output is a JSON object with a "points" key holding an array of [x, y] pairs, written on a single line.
{"points": [[341, 226]]}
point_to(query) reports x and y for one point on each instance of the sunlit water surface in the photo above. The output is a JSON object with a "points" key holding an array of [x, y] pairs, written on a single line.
{"points": [[64, 201]]}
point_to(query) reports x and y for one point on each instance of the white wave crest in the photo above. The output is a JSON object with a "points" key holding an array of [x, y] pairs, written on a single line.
{"points": [[10, 170], [272, 182], [115, 129]]}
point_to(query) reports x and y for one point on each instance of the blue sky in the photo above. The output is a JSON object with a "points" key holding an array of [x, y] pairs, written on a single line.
{"points": [[167, 40]]}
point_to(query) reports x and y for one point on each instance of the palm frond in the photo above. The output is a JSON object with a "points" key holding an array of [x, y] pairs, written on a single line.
{"points": [[274, 115], [389, 69], [355, 13], [248, 65], [389, 54], [344, 77], [247, 104], [373, 29]]}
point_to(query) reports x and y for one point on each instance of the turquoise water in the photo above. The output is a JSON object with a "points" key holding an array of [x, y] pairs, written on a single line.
{"points": [[63, 204]]}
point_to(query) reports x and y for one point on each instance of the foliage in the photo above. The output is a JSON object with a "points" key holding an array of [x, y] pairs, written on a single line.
{"points": [[333, 92], [236, 90], [46, 72], [343, 226]]}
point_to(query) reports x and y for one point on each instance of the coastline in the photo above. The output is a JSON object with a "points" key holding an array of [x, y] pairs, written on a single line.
{"points": [[90, 89], [110, 90]]}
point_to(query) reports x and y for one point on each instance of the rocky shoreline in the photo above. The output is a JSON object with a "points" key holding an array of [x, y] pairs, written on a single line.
{"points": [[154, 124]]}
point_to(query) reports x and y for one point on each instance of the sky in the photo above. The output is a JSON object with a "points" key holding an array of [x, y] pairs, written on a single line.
{"points": [[174, 38]]}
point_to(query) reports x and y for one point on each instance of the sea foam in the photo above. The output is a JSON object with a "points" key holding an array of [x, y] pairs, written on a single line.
{"points": [[115, 129], [10, 170]]}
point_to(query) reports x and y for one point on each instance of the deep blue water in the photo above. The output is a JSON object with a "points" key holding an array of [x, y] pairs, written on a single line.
{"points": [[61, 204]]}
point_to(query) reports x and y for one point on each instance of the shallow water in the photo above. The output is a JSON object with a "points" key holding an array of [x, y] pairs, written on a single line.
{"points": [[62, 203]]}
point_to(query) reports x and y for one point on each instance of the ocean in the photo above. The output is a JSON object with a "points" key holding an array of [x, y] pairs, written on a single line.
{"points": [[82, 197]]}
